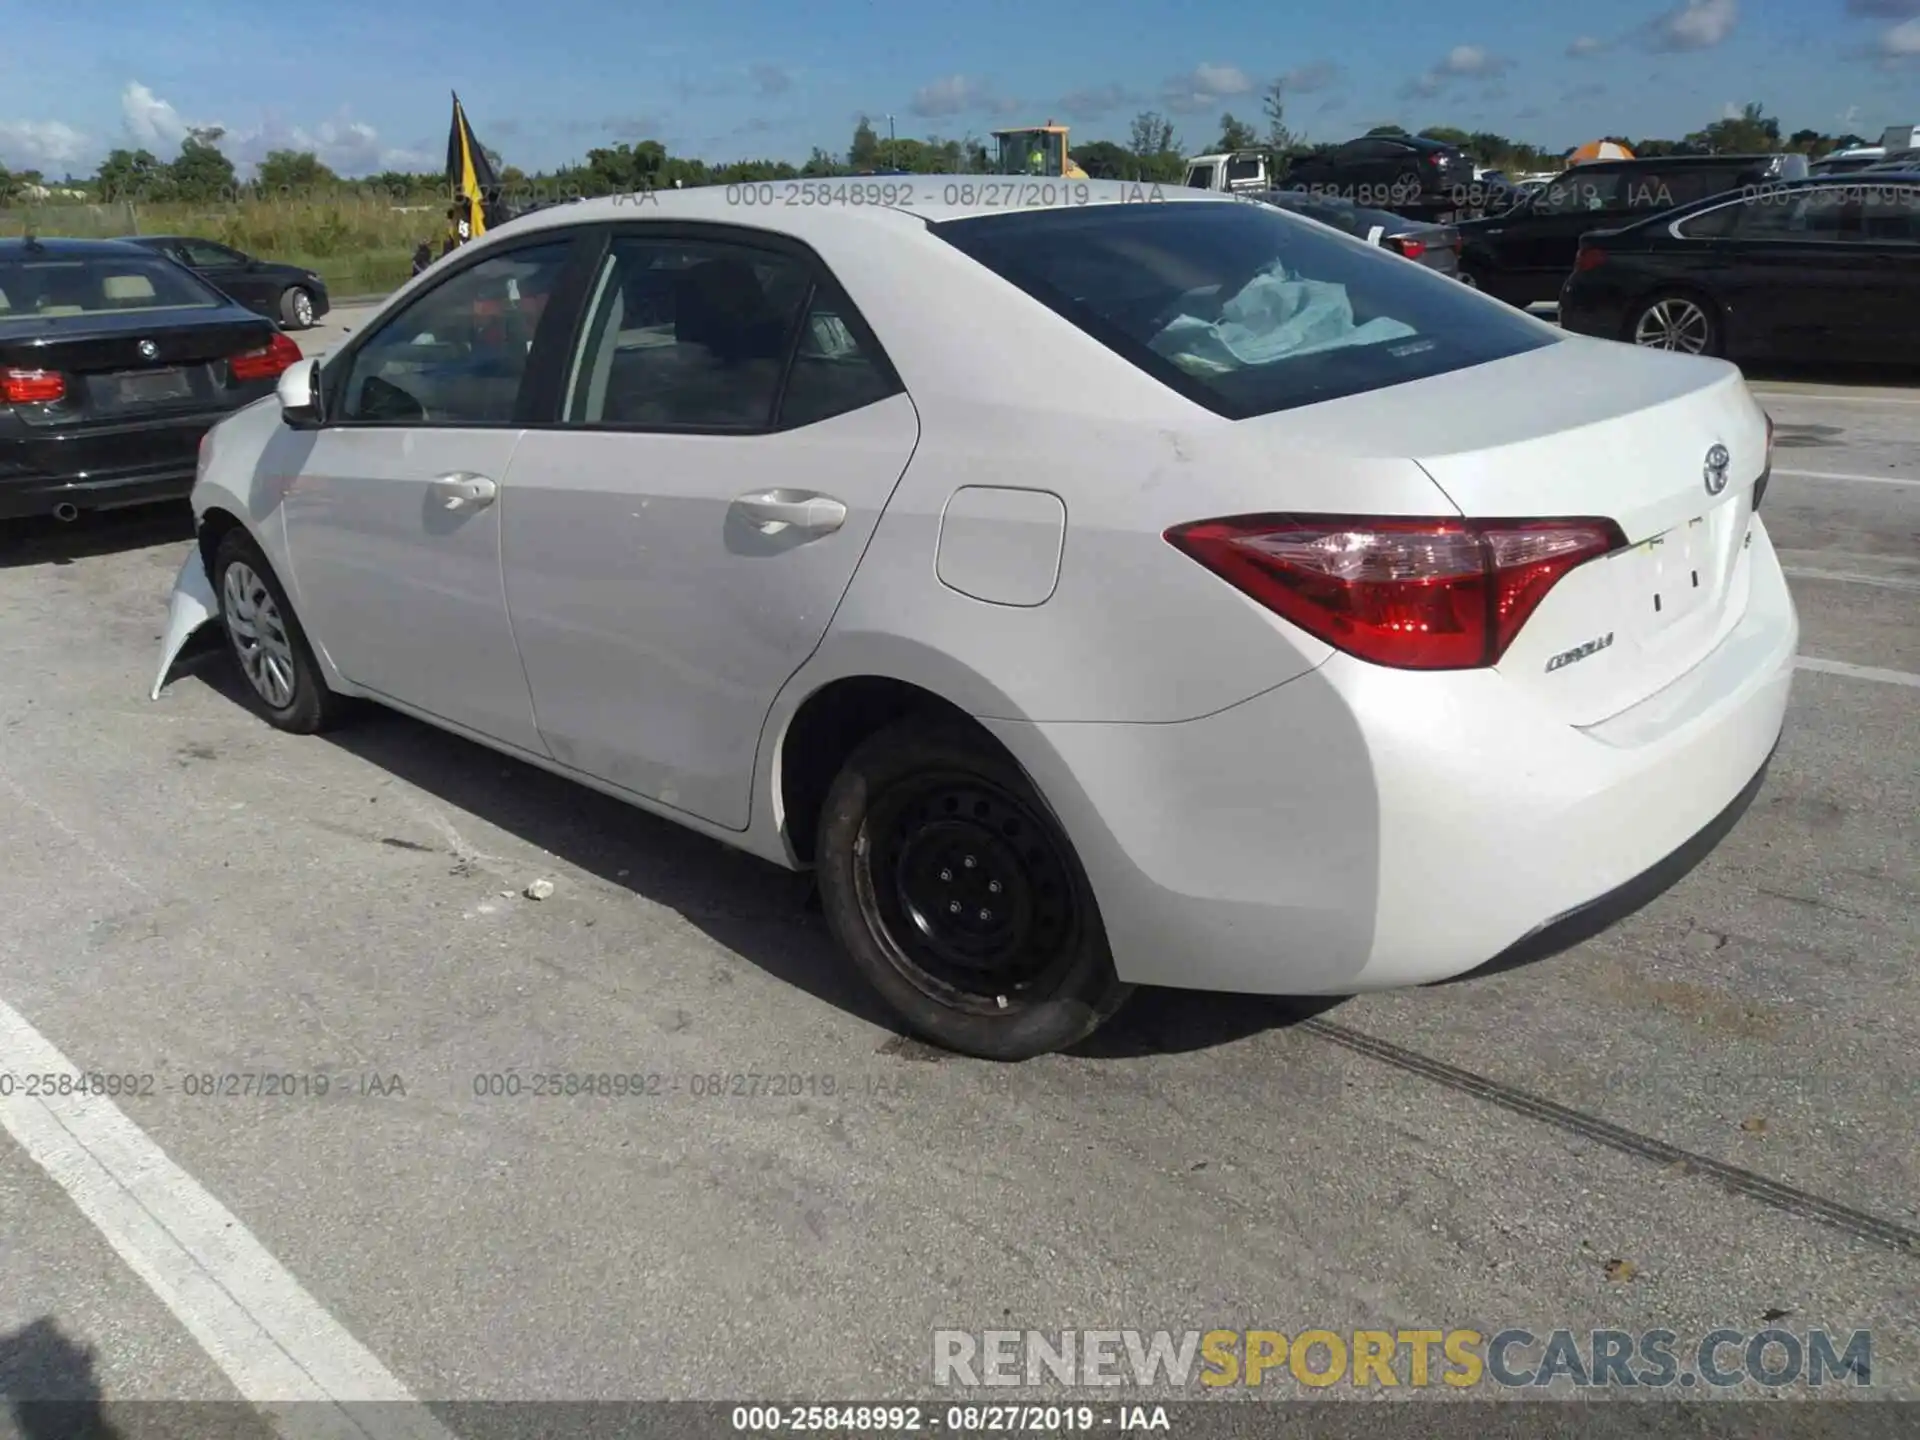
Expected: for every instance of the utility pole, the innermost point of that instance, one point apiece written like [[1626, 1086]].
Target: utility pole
[[893, 149]]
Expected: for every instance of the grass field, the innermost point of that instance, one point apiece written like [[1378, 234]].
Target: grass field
[[357, 245]]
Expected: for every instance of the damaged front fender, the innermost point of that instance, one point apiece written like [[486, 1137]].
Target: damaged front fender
[[192, 606]]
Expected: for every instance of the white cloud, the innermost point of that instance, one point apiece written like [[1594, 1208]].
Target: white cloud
[[956, 95], [1306, 79], [1585, 47], [343, 144], [1473, 61], [1902, 42], [43, 145], [1695, 25], [1205, 87]]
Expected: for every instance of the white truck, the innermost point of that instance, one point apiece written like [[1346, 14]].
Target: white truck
[[1232, 170]]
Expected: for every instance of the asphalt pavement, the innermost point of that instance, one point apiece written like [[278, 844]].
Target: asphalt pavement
[[1702, 1118]]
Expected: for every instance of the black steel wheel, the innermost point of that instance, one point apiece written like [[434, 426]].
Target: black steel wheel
[[955, 891]]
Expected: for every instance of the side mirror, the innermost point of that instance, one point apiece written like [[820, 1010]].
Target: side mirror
[[299, 392]]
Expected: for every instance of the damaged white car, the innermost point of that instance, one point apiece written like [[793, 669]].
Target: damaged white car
[[1093, 593]]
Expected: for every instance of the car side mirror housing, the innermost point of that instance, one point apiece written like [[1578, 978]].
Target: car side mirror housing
[[299, 392]]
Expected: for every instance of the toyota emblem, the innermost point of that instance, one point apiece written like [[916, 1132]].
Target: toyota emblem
[[149, 350], [1715, 470]]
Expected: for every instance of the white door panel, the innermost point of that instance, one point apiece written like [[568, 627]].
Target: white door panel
[[402, 586], [663, 587]]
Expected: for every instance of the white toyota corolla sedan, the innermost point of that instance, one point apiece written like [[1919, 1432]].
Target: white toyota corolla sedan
[[1094, 587]]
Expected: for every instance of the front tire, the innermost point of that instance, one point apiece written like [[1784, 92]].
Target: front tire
[[959, 898], [296, 308], [266, 641], [1682, 323]]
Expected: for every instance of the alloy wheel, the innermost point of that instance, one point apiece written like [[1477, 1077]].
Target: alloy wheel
[[1674, 324]]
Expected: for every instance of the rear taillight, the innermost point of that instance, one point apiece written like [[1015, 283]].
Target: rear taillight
[[32, 387], [1409, 247], [1589, 257], [1412, 594], [265, 363]]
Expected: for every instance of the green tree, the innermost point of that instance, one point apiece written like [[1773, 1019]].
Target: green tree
[[1446, 135], [286, 172], [1752, 131], [130, 175], [1104, 160], [820, 164], [201, 173], [864, 153], [1235, 134], [1273, 105], [1388, 130], [1150, 135]]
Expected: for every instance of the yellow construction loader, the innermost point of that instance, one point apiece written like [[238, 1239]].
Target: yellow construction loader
[[1035, 150]]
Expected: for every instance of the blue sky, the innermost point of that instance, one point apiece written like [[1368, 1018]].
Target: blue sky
[[366, 84]]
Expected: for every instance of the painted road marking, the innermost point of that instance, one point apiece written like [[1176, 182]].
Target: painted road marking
[[1852, 577], [282, 1351], [1849, 479], [1858, 672]]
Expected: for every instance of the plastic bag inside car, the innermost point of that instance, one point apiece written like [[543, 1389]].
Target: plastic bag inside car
[[1273, 317]]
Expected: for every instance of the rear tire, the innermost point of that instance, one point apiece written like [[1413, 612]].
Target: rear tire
[[296, 308], [1677, 321], [267, 644], [957, 895]]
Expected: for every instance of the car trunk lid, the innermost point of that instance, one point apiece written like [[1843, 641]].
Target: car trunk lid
[[108, 376], [1579, 429]]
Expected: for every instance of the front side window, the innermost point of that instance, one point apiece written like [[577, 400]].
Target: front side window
[[99, 285], [203, 253], [457, 354], [1242, 308]]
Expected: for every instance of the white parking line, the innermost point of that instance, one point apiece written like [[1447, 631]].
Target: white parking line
[[1852, 577], [281, 1350], [1848, 479], [1834, 396], [1857, 672]]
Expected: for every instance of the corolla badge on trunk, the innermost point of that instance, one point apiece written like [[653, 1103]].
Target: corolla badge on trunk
[[1579, 652], [149, 350], [1715, 470]]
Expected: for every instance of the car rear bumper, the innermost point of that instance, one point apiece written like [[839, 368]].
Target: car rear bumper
[[1583, 315], [1361, 828], [101, 468]]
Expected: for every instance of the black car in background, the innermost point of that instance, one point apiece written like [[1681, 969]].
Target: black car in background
[[1825, 270], [114, 362], [294, 297], [1435, 246], [1524, 255], [1396, 172]]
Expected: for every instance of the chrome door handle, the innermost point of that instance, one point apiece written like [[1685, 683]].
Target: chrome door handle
[[802, 509], [461, 491]]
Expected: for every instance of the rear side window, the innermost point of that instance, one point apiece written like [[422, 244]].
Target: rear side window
[[1244, 168], [98, 285], [1243, 308], [1682, 185], [1714, 224]]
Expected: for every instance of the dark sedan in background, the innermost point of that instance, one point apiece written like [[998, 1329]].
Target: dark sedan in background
[[294, 297], [114, 362], [1820, 270], [1408, 172], [1435, 246]]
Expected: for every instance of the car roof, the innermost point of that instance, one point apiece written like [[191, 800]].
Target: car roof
[[858, 201], [15, 246]]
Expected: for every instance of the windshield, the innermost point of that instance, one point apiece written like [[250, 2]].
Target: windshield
[[103, 284], [1241, 307], [1031, 152]]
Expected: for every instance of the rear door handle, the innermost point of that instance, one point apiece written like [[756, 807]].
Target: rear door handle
[[802, 509], [462, 491]]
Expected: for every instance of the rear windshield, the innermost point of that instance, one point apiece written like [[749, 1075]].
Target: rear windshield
[[96, 285], [1241, 307]]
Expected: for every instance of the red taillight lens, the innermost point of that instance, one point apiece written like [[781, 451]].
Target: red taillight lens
[[32, 387], [1589, 257], [263, 364], [1411, 248], [1411, 594]]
